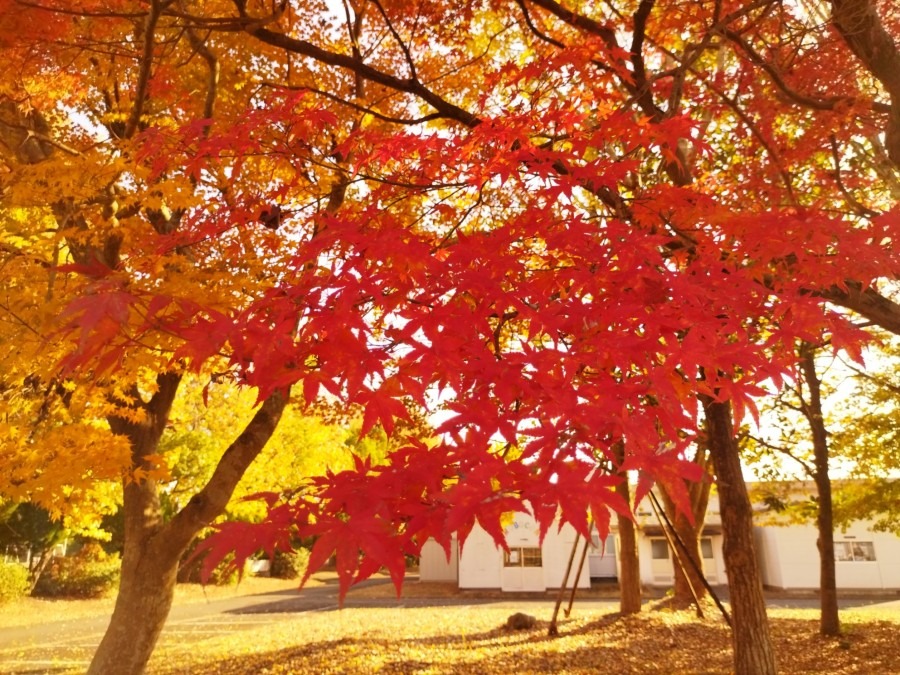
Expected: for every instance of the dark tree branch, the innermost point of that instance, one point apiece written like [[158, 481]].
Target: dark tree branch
[[212, 79], [862, 29], [637, 52], [366, 110], [146, 67], [866, 302], [445, 108], [534, 29], [859, 208], [403, 46], [805, 100], [211, 500]]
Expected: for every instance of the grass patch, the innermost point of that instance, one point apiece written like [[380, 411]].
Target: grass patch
[[30, 611]]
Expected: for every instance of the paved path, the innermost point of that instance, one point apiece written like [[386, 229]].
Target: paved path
[[67, 646], [63, 646]]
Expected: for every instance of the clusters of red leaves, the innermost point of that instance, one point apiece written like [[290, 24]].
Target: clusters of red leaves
[[465, 271], [549, 330]]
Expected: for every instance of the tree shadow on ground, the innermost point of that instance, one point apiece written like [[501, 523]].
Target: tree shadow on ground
[[651, 642]]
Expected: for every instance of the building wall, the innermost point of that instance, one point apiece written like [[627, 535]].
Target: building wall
[[434, 565], [767, 555], [790, 559], [557, 550], [656, 571], [787, 554], [480, 561], [603, 559], [481, 564]]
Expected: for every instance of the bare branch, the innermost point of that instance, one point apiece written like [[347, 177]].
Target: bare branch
[[403, 46], [212, 80], [807, 467], [146, 66], [446, 109], [534, 29], [815, 103]]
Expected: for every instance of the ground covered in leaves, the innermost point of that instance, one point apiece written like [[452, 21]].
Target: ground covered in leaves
[[473, 639]]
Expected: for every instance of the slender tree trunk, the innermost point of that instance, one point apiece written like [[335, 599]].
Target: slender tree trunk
[[752, 643], [829, 619], [36, 569], [686, 577], [690, 534], [629, 560], [153, 548], [629, 564]]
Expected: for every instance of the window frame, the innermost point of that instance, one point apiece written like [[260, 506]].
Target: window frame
[[523, 556], [851, 550], [655, 546]]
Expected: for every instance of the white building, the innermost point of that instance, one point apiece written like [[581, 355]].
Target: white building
[[532, 566], [864, 559], [527, 566], [788, 556]]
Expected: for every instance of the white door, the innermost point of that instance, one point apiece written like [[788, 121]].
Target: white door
[[602, 559], [661, 562]]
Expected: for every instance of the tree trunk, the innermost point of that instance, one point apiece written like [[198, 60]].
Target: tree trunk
[[145, 595], [629, 566], [753, 653], [629, 560], [829, 619], [36, 569], [153, 548]]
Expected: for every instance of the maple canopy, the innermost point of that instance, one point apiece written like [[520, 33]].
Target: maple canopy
[[555, 223]]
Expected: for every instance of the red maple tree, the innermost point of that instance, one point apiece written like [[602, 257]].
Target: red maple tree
[[569, 228]]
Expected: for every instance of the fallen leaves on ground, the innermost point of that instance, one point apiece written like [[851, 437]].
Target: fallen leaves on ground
[[472, 639]]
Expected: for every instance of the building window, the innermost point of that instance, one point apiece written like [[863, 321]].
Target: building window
[[706, 549], [605, 547], [531, 557], [854, 551], [659, 549], [523, 557]]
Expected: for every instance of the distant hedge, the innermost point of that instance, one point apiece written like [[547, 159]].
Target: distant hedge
[[90, 573], [291, 565], [13, 582]]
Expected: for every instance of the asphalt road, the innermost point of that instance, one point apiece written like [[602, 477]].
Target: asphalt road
[[56, 647]]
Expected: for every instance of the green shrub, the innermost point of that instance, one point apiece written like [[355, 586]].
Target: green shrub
[[90, 573], [291, 564], [190, 572], [224, 574], [13, 582]]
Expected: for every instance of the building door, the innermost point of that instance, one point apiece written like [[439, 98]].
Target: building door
[[710, 569], [523, 570], [602, 559], [661, 561]]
